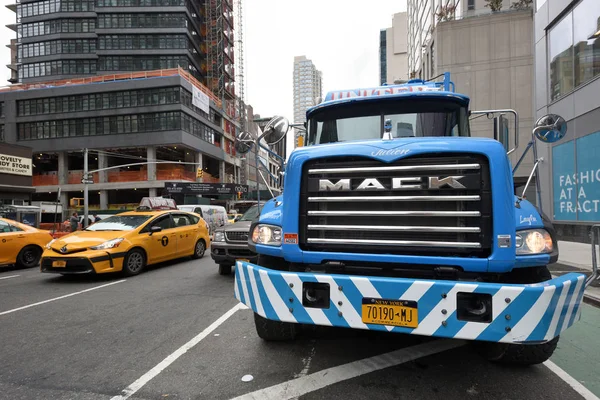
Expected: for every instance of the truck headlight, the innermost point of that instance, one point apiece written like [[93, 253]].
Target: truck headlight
[[267, 234], [219, 237], [111, 244], [533, 241], [49, 244]]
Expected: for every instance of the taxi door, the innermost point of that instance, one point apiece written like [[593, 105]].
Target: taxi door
[[186, 234], [161, 246], [9, 243]]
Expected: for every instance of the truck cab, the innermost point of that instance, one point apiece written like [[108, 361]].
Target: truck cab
[[394, 218]]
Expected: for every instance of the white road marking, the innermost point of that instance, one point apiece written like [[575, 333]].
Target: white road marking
[[8, 277], [574, 383], [148, 376], [318, 380], [59, 298]]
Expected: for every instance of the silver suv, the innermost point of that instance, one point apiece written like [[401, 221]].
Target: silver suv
[[230, 242]]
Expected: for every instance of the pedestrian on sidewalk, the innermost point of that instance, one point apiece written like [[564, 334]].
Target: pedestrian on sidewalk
[[74, 220]]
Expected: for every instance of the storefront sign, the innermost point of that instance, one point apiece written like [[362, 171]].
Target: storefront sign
[[200, 100], [576, 178], [204, 188], [15, 165]]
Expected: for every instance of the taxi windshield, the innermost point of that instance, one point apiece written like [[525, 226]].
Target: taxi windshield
[[119, 223], [413, 118]]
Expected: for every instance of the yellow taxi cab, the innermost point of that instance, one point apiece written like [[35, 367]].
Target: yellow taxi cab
[[157, 231], [21, 244], [233, 217]]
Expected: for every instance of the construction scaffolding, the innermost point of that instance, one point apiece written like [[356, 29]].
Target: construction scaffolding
[[220, 71]]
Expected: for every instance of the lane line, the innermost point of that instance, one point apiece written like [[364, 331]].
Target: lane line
[[148, 376], [59, 298], [574, 383], [318, 380], [8, 277]]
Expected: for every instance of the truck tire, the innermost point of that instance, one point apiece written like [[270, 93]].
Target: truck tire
[[267, 329], [274, 331], [520, 354]]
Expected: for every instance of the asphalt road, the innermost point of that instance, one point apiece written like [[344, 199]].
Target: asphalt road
[[177, 332]]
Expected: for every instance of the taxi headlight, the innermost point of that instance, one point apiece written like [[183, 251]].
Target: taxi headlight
[[219, 237], [111, 244], [267, 234], [533, 241], [49, 244]]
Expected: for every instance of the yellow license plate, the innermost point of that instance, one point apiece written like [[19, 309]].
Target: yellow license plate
[[390, 312], [59, 264]]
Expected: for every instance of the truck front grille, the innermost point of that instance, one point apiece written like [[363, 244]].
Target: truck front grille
[[237, 236], [433, 205]]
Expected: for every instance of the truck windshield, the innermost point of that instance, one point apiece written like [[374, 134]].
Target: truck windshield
[[407, 117]]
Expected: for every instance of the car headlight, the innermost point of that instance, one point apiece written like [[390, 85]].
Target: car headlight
[[533, 241], [219, 237], [267, 234], [111, 244], [49, 244]]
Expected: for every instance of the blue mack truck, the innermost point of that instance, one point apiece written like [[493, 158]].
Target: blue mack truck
[[393, 218]]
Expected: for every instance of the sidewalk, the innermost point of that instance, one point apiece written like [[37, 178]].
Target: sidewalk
[[577, 257]]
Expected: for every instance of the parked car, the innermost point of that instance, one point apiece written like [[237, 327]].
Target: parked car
[[230, 243]]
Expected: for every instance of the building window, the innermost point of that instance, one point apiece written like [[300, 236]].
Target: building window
[[471, 5], [56, 26], [60, 67], [2, 133], [129, 63], [574, 49]]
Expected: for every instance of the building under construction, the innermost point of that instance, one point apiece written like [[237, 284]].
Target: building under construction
[[145, 80]]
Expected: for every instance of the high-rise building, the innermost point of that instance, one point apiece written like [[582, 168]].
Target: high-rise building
[[393, 57], [307, 87], [424, 15], [567, 59], [145, 80]]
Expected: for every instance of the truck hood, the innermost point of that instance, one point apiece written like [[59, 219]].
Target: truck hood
[[82, 240], [238, 226]]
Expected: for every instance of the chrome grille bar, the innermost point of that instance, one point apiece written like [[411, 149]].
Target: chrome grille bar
[[394, 213], [375, 228], [392, 198], [395, 168], [407, 243]]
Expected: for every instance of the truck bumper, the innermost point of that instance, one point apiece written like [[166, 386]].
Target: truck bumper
[[533, 313]]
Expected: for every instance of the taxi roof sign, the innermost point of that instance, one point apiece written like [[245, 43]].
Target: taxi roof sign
[[157, 203]]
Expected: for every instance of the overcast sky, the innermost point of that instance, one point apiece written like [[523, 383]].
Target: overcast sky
[[340, 36]]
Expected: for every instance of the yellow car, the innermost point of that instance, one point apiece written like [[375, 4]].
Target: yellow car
[[233, 218], [128, 242], [21, 244]]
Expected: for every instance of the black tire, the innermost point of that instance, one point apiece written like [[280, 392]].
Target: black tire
[[199, 249], [29, 257], [224, 269], [520, 354], [516, 354], [134, 262], [274, 331], [276, 263]]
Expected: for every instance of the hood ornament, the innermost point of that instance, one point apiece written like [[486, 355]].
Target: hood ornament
[[387, 130], [63, 249]]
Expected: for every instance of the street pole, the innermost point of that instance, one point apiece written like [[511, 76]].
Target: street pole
[[85, 189]]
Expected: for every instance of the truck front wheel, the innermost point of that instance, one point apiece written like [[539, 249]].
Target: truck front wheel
[[267, 329], [272, 331], [520, 354]]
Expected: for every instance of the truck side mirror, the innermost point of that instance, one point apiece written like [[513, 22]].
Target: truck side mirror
[[550, 128], [501, 132], [243, 142]]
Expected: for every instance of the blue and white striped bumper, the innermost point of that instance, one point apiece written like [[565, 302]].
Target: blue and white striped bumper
[[520, 313]]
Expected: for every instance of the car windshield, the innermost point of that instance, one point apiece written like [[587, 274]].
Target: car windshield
[[414, 118], [250, 215], [119, 223]]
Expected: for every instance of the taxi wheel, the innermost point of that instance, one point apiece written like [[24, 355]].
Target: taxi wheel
[[29, 257], [134, 262], [199, 249]]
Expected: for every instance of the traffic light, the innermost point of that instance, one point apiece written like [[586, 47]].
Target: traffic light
[[199, 173], [239, 195]]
